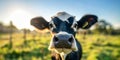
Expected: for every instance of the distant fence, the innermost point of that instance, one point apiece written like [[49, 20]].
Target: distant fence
[[32, 45]]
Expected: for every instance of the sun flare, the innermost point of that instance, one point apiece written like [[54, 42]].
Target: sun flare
[[21, 19]]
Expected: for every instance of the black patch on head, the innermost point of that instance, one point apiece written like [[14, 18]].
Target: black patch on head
[[71, 20], [63, 25], [56, 22]]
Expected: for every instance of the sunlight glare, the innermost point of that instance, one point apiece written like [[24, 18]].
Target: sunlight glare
[[21, 19]]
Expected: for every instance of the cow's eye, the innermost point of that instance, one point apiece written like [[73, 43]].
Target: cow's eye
[[75, 25], [50, 25]]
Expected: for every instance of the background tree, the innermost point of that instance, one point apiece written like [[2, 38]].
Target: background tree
[[11, 32], [103, 27], [1, 27]]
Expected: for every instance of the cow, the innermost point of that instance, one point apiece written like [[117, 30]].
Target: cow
[[63, 26]]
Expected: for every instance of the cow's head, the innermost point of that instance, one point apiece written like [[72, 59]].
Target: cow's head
[[64, 27]]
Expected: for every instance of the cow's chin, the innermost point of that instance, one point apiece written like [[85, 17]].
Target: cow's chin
[[63, 50]]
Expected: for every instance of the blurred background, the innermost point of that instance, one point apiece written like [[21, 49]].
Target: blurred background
[[21, 41]]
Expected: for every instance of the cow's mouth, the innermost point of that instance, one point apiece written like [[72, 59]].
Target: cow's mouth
[[63, 50]]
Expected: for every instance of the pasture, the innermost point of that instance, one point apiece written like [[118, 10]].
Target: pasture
[[95, 47]]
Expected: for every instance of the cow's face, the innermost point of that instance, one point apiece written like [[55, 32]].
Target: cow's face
[[63, 22], [63, 26]]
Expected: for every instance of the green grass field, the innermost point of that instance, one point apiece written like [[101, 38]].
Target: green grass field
[[95, 47]]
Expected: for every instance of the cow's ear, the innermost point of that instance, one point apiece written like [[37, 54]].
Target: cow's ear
[[87, 21], [39, 23]]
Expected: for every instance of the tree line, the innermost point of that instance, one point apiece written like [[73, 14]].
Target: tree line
[[102, 27]]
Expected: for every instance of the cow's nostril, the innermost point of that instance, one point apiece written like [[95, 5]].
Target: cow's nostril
[[55, 39], [70, 39]]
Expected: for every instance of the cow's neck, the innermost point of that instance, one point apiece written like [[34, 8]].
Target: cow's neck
[[63, 55]]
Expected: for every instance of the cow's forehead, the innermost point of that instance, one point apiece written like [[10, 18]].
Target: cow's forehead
[[63, 16]]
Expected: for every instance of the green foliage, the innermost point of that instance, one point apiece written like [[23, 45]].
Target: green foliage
[[95, 47]]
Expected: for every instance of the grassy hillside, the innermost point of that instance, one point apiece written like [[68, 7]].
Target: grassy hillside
[[95, 47]]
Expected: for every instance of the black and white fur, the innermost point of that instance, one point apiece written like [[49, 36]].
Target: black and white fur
[[65, 24]]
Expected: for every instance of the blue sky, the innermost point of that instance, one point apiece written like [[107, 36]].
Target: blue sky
[[104, 9]]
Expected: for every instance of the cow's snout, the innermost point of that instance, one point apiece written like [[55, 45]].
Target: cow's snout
[[63, 41]]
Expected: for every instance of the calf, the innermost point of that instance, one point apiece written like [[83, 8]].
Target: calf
[[63, 26]]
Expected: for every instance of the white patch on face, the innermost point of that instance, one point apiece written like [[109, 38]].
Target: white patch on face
[[74, 45], [63, 16], [51, 46], [62, 32]]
